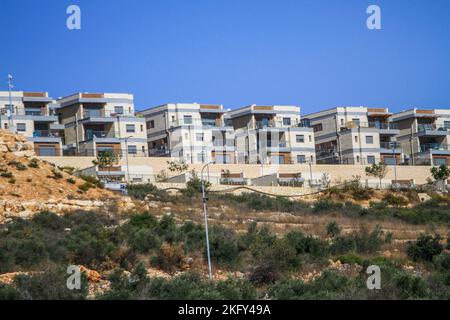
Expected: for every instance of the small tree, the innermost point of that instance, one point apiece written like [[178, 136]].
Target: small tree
[[106, 159], [179, 166], [440, 174], [377, 170]]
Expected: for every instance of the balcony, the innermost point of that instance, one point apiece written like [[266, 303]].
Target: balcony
[[433, 147], [430, 129], [93, 134], [159, 152], [46, 136], [383, 125], [101, 113]]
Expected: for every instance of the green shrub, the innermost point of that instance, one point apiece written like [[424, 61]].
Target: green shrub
[[361, 241], [85, 186], [442, 261], [19, 166], [351, 258], [223, 246], [8, 292], [326, 205], [424, 248], [93, 181], [34, 163], [141, 191], [264, 273], [333, 229], [12, 180], [49, 285], [71, 180], [6, 174], [396, 201], [307, 245], [56, 174]]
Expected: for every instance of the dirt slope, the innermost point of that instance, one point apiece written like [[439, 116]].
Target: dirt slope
[[28, 185]]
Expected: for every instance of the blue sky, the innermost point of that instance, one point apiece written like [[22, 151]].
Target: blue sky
[[315, 54]]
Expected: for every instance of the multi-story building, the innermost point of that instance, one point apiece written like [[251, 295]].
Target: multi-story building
[[272, 134], [424, 135], [96, 122], [197, 133], [31, 114], [355, 135]]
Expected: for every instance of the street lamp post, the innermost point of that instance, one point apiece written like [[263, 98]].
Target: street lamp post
[[126, 158], [11, 108], [394, 146], [205, 199]]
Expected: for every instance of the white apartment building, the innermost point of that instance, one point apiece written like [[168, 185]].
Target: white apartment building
[[355, 135], [424, 135], [32, 115], [272, 135], [96, 122], [197, 133]]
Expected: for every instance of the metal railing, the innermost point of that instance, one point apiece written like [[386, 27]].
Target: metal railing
[[432, 146], [84, 152], [47, 133], [371, 124], [101, 113], [155, 152], [90, 135]]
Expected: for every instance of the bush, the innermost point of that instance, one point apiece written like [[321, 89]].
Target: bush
[[56, 174], [6, 174], [396, 201], [34, 163], [71, 180], [92, 181], [85, 186], [351, 258], [8, 292], [307, 245], [49, 285], [19, 166], [333, 229], [264, 273], [141, 191], [325, 204], [170, 258], [223, 245], [424, 248], [361, 241]]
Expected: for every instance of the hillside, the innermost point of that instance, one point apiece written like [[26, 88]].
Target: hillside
[[29, 185]]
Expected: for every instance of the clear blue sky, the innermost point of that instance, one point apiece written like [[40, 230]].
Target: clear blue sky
[[315, 54]]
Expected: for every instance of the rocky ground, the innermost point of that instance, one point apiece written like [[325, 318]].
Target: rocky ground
[[29, 185]]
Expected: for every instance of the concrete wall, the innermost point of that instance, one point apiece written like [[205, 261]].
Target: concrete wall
[[338, 173]]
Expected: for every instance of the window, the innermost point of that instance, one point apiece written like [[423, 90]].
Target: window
[[286, 121], [200, 157], [342, 122], [187, 119], [132, 150], [173, 118], [151, 124], [317, 127], [389, 160], [130, 128], [369, 139], [310, 138], [356, 122], [439, 161], [300, 138], [278, 159], [357, 159], [370, 159], [301, 158], [118, 110], [199, 136], [142, 127], [447, 124], [356, 139], [21, 127], [47, 151]]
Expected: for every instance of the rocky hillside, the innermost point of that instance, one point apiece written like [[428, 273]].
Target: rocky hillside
[[29, 185]]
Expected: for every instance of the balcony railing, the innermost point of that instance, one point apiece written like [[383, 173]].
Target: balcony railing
[[371, 124], [99, 134], [433, 146], [47, 133], [422, 127], [159, 152], [100, 113], [25, 112]]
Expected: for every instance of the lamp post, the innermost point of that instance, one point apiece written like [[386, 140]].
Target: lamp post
[[394, 146], [126, 158], [205, 199], [10, 87]]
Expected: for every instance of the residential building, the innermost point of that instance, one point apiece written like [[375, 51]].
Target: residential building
[[32, 115], [96, 122], [424, 135], [271, 135], [197, 133], [355, 135]]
